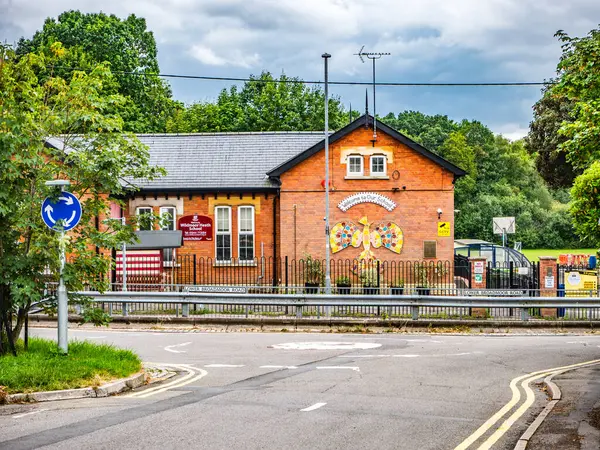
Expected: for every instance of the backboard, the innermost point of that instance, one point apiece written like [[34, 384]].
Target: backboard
[[504, 224]]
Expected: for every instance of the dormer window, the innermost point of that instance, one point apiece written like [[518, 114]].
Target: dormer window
[[378, 164], [355, 166]]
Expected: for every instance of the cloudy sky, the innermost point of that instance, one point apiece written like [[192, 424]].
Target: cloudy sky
[[429, 41]]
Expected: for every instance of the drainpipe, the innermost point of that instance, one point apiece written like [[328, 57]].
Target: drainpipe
[[275, 238]]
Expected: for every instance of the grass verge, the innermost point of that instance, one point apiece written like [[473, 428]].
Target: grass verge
[[42, 368]]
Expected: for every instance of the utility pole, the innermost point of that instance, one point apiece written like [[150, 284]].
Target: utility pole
[[373, 56], [325, 57]]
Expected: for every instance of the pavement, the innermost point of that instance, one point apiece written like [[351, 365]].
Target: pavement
[[320, 391], [574, 423]]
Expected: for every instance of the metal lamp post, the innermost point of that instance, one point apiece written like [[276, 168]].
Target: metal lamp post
[[325, 57], [63, 318]]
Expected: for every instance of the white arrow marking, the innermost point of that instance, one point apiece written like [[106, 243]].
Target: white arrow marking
[[67, 200], [169, 348], [18, 416], [224, 365], [48, 210], [279, 367], [356, 369], [68, 222], [313, 407]]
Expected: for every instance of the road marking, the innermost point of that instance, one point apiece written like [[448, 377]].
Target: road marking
[[313, 407], [190, 377], [406, 356], [516, 397], [224, 365], [95, 337], [278, 367], [18, 416], [365, 356], [357, 369], [423, 340], [326, 346], [170, 348]]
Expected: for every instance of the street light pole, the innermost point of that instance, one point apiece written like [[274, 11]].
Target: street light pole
[[325, 57]]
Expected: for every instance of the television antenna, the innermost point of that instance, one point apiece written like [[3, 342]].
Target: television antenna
[[373, 56]]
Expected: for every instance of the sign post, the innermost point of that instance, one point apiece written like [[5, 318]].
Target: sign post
[[62, 216]]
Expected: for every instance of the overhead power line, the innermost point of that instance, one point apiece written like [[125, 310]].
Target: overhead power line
[[341, 83]]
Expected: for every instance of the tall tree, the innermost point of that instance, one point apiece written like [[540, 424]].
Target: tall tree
[[96, 160], [124, 44], [262, 104], [544, 139], [579, 83]]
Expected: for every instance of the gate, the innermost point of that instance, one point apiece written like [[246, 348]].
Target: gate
[[508, 276], [462, 272]]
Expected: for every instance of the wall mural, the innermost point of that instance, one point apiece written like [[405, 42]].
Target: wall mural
[[385, 234]]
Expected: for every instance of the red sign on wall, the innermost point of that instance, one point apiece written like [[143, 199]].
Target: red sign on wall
[[196, 228]]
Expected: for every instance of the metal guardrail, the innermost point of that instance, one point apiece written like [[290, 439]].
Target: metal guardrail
[[358, 306]]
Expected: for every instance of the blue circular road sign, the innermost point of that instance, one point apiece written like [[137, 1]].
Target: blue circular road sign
[[63, 215]]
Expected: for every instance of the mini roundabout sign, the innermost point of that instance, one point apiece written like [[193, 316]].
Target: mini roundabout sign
[[326, 346]]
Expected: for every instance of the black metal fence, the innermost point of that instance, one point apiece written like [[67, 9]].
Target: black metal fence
[[284, 272]]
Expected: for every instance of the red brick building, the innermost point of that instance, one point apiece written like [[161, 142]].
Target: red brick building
[[239, 196]]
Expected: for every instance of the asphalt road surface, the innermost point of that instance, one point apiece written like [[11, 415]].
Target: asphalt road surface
[[309, 391]]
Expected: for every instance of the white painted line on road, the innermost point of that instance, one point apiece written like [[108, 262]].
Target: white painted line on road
[[18, 416], [313, 407], [96, 337], [326, 345], [365, 356], [224, 365], [406, 356], [357, 369], [278, 367], [423, 340], [170, 348], [516, 397]]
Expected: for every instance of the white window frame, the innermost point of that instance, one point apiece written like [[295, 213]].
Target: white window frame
[[372, 160], [173, 211], [138, 213], [362, 166], [223, 233], [246, 233], [170, 262]]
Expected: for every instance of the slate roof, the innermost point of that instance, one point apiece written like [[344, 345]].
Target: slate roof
[[225, 161], [360, 122], [242, 162]]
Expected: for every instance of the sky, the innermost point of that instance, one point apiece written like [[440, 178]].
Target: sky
[[429, 41]]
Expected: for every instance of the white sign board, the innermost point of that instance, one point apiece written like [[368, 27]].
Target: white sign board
[[218, 289], [549, 282], [367, 197], [478, 267], [504, 225], [574, 278]]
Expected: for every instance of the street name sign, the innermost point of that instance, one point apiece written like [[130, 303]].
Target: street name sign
[[66, 212]]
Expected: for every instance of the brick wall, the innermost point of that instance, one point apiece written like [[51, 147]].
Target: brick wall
[[421, 188]]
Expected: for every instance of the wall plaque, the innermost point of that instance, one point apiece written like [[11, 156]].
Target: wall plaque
[[196, 228], [367, 197]]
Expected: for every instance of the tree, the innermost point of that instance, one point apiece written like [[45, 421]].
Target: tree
[[263, 104], [544, 139], [585, 204], [579, 83], [129, 49], [96, 161]]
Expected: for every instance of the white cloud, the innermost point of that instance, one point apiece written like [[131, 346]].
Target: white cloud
[[430, 40], [207, 56]]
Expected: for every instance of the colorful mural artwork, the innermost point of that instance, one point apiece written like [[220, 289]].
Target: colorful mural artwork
[[386, 234]]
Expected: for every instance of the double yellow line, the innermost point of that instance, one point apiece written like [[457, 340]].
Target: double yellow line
[[192, 375], [516, 397]]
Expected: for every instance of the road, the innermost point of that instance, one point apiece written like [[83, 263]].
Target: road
[[307, 391]]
